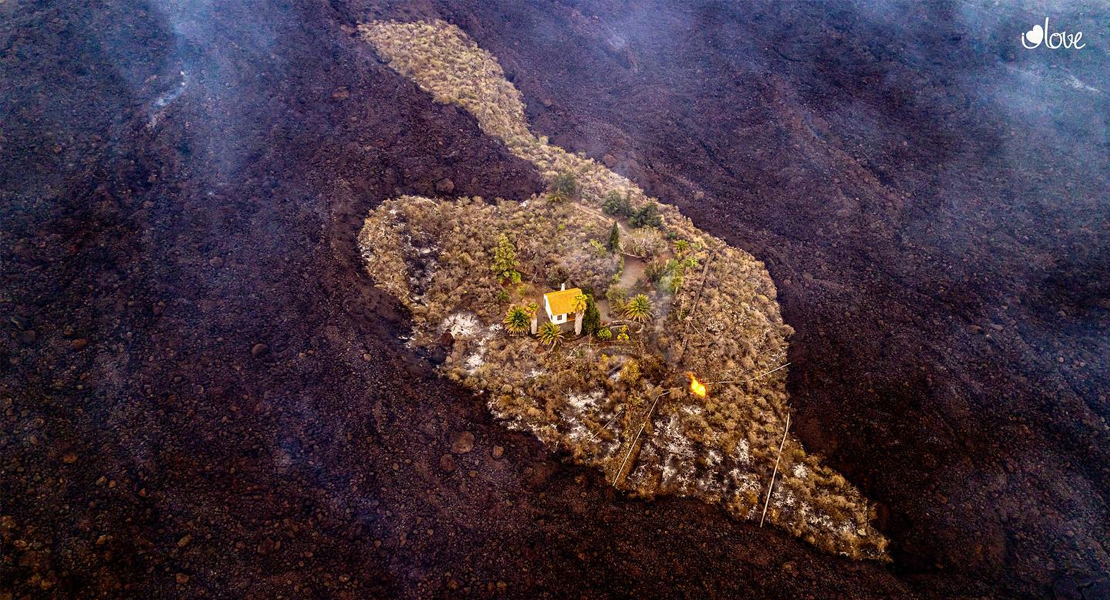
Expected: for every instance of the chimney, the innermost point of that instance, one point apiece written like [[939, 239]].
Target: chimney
[[563, 287]]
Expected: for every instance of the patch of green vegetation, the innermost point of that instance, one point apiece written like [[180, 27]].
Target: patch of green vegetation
[[617, 204], [504, 261], [564, 187], [638, 309], [517, 320], [598, 248], [647, 216], [550, 334], [616, 296], [591, 320]]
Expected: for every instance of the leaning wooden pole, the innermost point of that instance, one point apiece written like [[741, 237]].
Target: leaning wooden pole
[[606, 426], [760, 376], [770, 487], [631, 448]]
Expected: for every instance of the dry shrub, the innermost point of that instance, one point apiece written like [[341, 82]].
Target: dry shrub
[[644, 243]]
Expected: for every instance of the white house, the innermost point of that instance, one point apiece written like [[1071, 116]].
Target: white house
[[560, 305]]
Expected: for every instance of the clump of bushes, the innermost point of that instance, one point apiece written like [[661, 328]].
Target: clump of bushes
[[557, 275], [504, 261], [463, 259], [647, 216], [630, 372], [672, 272], [644, 243], [655, 270], [616, 296], [617, 204], [564, 187], [598, 248]]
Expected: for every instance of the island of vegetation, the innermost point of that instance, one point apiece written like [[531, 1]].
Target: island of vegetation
[[601, 320]]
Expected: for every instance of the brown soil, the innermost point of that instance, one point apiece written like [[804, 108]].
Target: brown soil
[[203, 395]]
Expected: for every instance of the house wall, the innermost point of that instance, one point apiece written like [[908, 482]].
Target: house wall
[[557, 319]]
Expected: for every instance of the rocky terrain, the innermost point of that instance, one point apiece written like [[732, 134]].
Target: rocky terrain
[[204, 395]]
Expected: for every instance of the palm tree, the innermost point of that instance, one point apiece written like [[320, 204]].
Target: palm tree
[[638, 309], [579, 303], [517, 320], [551, 334]]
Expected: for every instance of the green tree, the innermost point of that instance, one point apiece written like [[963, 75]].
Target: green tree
[[517, 320], [504, 261], [648, 216], [617, 205], [591, 321], [638, 308], [604, 334], [615, 238], [564, 187], [550, 334]]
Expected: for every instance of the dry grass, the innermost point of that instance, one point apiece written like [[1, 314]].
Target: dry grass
[[585, 395]]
